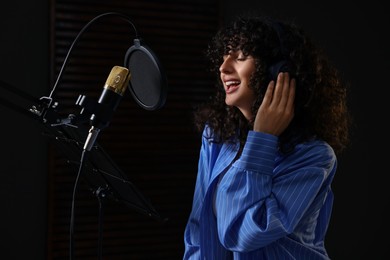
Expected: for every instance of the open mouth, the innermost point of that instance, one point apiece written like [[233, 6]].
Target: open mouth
[[231, 86]]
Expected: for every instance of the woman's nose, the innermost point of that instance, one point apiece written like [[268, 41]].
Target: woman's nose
[[225, 66]]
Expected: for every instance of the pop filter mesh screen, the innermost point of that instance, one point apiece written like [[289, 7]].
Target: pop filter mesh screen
[[145, 80]]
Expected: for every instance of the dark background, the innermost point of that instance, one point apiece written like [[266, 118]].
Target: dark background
[[354, 35]]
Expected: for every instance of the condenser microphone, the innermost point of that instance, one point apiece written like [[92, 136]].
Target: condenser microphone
[[114, 88]]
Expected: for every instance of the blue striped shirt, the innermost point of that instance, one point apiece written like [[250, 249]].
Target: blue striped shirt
[[264, 205]]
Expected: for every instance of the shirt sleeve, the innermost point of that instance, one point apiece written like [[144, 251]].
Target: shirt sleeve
[[263, 196], [191, 233]]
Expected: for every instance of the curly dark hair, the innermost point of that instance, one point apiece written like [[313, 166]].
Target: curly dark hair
[[321, 96]]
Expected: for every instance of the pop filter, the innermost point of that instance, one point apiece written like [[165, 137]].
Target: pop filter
[[148, 84]]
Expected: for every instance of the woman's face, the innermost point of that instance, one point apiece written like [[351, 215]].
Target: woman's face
[[235, 72]]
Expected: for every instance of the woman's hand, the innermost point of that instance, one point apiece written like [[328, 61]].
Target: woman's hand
[[277, 109]]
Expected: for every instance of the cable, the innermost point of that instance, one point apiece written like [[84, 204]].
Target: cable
[[71, 238]]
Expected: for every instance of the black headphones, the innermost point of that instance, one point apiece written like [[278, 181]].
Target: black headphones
[[283, 65]]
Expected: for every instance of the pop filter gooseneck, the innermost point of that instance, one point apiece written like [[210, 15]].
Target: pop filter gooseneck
[[148, 81]]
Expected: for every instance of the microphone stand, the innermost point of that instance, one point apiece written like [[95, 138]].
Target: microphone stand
[[104, 177]]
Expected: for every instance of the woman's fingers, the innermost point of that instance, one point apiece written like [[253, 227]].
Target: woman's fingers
[[281, 91], [268, 96], [291, 95], [277, 109]]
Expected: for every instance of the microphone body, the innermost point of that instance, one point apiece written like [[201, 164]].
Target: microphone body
[[112, 93]]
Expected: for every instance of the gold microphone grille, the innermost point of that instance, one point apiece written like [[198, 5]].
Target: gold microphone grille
[[118, 80]]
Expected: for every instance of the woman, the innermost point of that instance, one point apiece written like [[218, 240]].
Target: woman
[[270, 139]]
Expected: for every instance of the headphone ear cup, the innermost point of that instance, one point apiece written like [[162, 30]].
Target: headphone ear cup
[[276, 68]]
